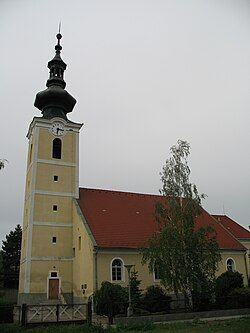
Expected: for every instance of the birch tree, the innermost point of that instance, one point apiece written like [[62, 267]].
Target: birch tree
[[186, 256]]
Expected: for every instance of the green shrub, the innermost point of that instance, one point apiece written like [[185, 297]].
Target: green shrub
[[155, 300], [110, 300], [240, 297], [227, 282], [6, 312]]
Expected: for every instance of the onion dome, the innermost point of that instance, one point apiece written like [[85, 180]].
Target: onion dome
[[55, 101]]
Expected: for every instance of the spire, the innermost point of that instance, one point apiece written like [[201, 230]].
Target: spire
[[55, 101], [57, 66]]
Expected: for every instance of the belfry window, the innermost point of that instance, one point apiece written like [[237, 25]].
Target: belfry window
[[116, 270], [57, 148]]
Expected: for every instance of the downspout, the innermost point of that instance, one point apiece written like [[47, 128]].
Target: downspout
[[95, 269], [245, 257]]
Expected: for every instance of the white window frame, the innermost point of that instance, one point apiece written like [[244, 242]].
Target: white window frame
[[155, 279], [122, 272], [234, 265]]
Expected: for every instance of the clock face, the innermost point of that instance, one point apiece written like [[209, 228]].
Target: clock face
[[58, 129]]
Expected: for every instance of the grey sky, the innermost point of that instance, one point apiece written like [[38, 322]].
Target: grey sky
[[145, 73]]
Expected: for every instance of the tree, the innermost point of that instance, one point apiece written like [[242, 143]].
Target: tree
[[2, 163], [135, 289], [110, 300], [184, 255], [11, 252]]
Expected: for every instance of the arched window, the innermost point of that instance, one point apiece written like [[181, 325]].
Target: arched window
[[157, 272], [230, 265], [57, 148], [117, 270]]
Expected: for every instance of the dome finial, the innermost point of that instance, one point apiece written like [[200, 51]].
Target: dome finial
[[58, 47]]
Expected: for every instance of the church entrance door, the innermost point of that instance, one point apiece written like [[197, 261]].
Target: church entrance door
[[53, 288]]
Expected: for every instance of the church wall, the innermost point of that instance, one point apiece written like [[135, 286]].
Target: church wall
[[43, 208], [104, 268], [40, 272], [45, 178], [83, 262], [240, 263], [44, 235], [246, 243], [147, 279]]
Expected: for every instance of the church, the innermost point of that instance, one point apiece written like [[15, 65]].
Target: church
[[75, 238]]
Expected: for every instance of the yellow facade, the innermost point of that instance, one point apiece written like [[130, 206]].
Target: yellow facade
[[51, 184]]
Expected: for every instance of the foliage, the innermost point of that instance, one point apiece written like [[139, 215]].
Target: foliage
[[135, 289], [110, 300], [6, 312], [203, 297], [155, 300], [183, 253], [227, 282], [240, 297], [2, 163], [11, 252]]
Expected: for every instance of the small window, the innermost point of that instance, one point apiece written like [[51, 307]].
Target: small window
[[31, 148], [55, 178], [117, 269], [230, 265], [53, 240], [54, 208], [57, 148], [79, 243], [53, 274]]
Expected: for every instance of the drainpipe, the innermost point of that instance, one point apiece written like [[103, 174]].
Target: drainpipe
[[246, 257], [95, 269]]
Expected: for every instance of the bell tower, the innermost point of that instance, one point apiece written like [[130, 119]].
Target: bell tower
[[51, 184]]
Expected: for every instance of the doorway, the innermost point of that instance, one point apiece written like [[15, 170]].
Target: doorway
[[53, 288]]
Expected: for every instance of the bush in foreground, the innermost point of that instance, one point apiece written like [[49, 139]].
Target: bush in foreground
[[155, 300]]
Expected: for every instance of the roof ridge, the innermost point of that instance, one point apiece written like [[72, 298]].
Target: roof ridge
[[119, 191]]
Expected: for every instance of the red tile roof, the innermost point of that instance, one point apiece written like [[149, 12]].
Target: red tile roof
[[237, 230], [126, 220]]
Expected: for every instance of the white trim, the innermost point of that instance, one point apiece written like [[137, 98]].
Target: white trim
[[35, 142], [51, 258], [76, 195], [56, 162], [46, 123], [54, 278], [59, 194], [234, 264], [155, 280], [53, 224], [122, 272]]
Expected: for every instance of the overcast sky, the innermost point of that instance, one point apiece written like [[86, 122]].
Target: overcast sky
[[145, 73]]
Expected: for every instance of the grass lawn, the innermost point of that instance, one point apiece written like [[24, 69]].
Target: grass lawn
[[241, 325]]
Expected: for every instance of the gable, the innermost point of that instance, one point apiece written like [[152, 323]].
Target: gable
[[237, 230]]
